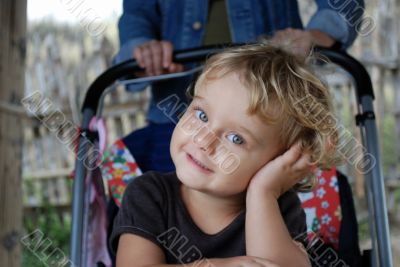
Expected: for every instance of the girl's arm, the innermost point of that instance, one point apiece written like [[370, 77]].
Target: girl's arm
[[266, 233], [136, 251]]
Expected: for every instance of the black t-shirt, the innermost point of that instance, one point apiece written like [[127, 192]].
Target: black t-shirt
[[152, 208]]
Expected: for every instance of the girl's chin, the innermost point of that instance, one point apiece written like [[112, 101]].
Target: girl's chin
[[191, 176]]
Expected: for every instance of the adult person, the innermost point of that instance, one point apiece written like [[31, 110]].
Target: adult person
[[151, 30]]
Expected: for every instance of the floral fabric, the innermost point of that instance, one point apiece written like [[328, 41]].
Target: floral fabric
[[118, 168], [322, 208]]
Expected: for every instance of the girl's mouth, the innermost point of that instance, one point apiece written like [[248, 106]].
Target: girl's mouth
[[198, 164]]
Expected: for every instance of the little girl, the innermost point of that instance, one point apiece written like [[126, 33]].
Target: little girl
[[245, 141]]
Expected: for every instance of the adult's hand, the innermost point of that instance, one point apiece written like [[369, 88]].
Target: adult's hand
[[155, 57], [300, 41]]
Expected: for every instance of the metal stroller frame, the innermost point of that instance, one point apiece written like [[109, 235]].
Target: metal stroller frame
[[381, 248]]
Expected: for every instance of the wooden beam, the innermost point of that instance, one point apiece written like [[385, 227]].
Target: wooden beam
[[12, 72], [47, 174]]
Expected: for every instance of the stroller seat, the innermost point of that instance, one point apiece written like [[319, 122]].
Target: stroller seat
[[329, 208], [118, 165]]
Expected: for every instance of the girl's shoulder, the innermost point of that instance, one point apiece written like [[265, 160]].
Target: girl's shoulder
[[154, 185], [154, 178]]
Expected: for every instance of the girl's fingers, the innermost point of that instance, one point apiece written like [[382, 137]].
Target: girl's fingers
[[303, 163], [292, 155]]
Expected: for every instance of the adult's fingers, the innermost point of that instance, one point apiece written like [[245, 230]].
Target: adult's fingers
[[175, 67], [278, 37], [157, 57], [167, 50], [137, 54], [147, 59]]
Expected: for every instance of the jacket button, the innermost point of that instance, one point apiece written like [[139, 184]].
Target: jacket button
[[197, 25]]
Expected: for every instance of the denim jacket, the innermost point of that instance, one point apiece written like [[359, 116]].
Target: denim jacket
[[182, 23]]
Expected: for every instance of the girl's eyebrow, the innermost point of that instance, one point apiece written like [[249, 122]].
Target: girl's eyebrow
[[200, 98]]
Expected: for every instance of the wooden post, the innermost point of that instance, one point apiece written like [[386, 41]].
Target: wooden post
[[12, 60]]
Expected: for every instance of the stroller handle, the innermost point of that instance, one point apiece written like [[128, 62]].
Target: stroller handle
[[127, 68]]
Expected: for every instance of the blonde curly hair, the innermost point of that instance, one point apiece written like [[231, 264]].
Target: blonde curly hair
[[283, 90]]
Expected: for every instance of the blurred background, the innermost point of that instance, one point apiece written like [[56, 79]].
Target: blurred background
[[66, 50]]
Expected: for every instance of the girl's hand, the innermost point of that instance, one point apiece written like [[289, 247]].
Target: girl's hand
[[282, 173], [242, 261]]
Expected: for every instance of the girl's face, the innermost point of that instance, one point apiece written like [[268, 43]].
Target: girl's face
[[217, 147]]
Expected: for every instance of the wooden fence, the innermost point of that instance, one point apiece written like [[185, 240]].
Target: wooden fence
[[48, 163]]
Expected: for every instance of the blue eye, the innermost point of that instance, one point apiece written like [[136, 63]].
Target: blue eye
[[236, 139], [201, 115]]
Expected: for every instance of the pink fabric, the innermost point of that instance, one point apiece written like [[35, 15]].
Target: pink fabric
[[95, 237], [98, 124]]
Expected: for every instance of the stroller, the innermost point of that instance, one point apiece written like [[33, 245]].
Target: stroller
[[85, 170]]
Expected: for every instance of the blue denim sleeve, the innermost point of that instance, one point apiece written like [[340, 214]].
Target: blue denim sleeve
[[140, 19], [137, 25], [339, 19]]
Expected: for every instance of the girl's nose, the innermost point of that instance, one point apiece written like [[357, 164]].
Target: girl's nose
[[205, 139]]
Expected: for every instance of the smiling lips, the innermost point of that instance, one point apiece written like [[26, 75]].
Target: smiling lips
[[198, 163]]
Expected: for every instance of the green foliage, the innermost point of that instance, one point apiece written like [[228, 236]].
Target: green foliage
[[363, 231], [388, 144], [53, 227]]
